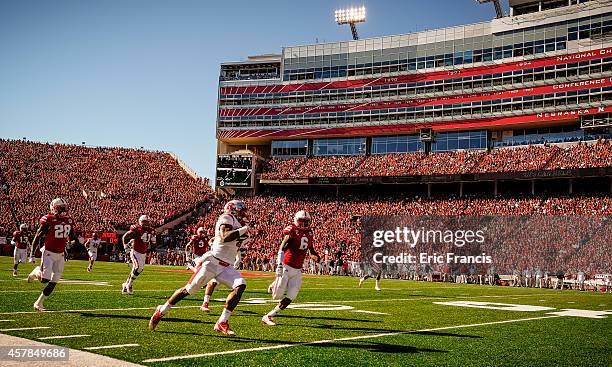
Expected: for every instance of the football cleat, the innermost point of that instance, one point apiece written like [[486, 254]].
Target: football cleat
[[155, 319], [126, 289], [268, 320], [39, 308], [89, 269], [14, 273], [204, 307], [377, 288], [33, 274], [223, 327], [361, 280]]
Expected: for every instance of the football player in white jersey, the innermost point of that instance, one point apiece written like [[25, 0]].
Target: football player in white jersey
[[217, 263], [92, 244]]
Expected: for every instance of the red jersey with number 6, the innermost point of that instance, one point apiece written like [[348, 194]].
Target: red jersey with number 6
[[143, 236], [59, 229], [300, 241], [200, 244]]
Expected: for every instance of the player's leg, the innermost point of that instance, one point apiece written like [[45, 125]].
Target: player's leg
[[231, 278], [377, 286], [294, 283], [51, 274], [204, 273], [16, 255], [138, 261], [210, 288], [92, 258]]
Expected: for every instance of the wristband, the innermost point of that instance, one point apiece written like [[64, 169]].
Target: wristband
[[243, 230]]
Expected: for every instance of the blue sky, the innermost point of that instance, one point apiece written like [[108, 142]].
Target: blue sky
[[145, 73]]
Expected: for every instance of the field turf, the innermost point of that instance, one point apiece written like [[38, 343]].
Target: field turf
[[401, 324]]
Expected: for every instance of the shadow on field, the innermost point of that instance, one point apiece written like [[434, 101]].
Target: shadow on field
[[382, 348], [375, 347], [136, 317]]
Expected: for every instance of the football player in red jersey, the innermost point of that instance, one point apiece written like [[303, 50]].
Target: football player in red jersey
[[196, 247], [22, 244], [55, 230], [297, 243], [136, 241]]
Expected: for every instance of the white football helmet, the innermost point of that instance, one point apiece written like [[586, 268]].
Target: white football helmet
[[237, 208], [144, 220], [23, 227], [302, 219], [58, 206], [201, 231]]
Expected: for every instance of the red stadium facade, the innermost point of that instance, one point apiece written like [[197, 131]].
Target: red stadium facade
[[541, 75]]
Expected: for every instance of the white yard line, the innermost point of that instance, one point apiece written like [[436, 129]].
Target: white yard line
[[327, 341], [370, 312], [91, 310], [7, 320], [266, 304], [64, 337], [112, 346], [27, 328]]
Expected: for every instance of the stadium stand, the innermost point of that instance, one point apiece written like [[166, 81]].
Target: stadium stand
[[526, 158], [107, 188]]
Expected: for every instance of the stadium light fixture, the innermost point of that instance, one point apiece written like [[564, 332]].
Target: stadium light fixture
[[499, 11], [351, 16]]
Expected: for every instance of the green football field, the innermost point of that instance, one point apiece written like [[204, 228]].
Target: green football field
[[334, 322]]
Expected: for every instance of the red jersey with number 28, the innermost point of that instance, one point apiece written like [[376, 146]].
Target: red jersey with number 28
[[300, 240], [143, 236], [59, 228]]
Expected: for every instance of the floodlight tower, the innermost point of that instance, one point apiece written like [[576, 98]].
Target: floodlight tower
[[351, 16], [499, 11]]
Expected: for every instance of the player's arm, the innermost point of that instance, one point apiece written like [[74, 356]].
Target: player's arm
[[281, 254], [127, 237], [87, 243], [39, 237], [189, 247], [228, 234], [313, 254]]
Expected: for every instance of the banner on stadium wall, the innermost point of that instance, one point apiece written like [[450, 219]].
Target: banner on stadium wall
[[470, 177], [412, 128], [421, 77], [485, 244], [463, 98]]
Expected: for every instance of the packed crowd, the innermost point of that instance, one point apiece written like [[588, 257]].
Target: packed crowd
[[106, 188], [576, 155], [338, 236]]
